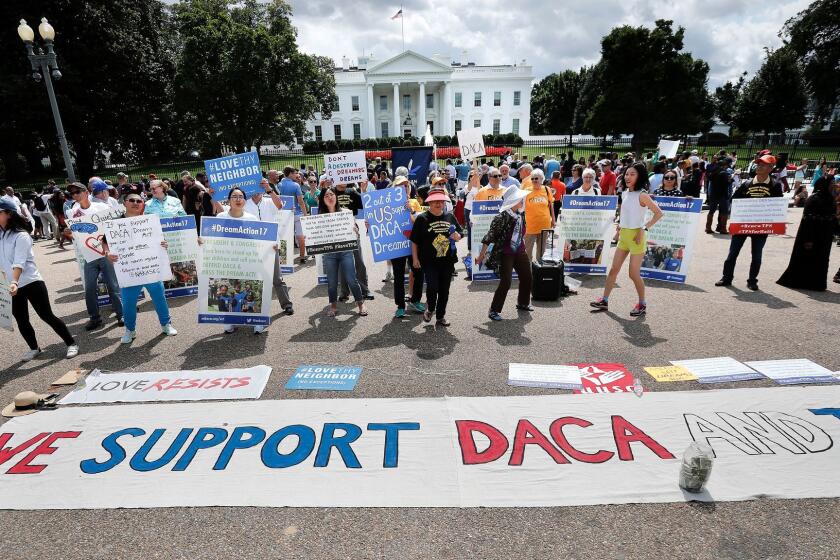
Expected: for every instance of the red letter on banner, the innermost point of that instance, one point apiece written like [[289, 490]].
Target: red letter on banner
[[7, 453], [624, 433], [556, 431], [527, 434], [469, 453], [44, 448]]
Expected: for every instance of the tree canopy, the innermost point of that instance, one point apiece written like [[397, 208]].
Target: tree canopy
[[554, 101], [726, 100]]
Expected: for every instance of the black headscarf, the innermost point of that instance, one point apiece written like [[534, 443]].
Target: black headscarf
[[821, 202]]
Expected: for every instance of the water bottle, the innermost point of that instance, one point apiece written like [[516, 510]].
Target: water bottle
[[638, 388], [696, 467]]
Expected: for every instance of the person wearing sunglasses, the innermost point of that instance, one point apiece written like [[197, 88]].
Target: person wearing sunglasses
[[494, 189], [310, 197], [135, 206], [669, 186]]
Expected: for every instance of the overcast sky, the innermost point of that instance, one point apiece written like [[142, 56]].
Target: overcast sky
[[552, 35]]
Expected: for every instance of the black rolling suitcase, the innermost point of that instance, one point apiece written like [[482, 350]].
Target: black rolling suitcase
[[548, 280]]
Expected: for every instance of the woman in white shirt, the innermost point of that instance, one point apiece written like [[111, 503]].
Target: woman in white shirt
[[588, 187]]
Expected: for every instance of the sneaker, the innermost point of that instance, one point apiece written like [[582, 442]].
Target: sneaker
[[369, 296], [92, 324], [600, 304], [72, 351], [258, 330], [229, 328], [418, 307], [752, 285], [30, 355], [120, 322], [494, 316], [723, 282], [169, 330], [128, 337], [442, 322], [400, 313], [528, 307], [638, 309], [389, 276], [289, 310]]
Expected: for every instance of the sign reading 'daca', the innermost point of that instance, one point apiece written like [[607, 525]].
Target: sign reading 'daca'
[[349, 167], [471, 143], [237, 171]]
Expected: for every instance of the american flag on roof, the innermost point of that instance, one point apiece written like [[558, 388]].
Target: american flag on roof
[[398, 14]]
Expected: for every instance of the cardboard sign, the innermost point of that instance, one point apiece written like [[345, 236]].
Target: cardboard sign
[[88, 232], [544, 375], [471, 143], [670, 243], [668, 148], [330, 232], [211, 384], [349, 167], [585, 229], [758, 215], [670, 373], [605, 378], [241, 171], [389, 222], [6, 318], [137, 244], [324, 378], [182, 248]]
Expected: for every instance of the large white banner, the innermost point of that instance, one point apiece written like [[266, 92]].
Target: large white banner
[[88, 231], [585, 229], [670, 242], [202, 385], [182, 248], [141, 259], [533, 451]]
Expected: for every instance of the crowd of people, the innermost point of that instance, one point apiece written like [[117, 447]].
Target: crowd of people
[[531, 194]]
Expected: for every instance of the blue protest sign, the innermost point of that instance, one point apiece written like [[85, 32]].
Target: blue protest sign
[[237, 171], [389, 222], [414, 158], [325, 378]]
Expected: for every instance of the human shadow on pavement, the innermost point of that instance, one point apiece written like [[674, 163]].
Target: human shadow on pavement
[[760, 297], [636, 331], [323, 328], [50, 357], [673, 286], [508, 332], [319, 291], [219, 349], [433, 344], [75, 288], [825, 297]]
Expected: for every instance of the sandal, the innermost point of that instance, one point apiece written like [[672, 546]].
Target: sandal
[[362, 311], [331, 312]]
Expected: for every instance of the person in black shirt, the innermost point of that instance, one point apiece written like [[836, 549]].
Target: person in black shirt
[[433, 240], [349, 199]]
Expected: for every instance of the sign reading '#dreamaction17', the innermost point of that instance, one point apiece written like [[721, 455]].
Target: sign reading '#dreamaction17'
[[236, 171], [758, 215], [481, 217], [349, 167], [141, 259], [237, 269], [182, 247], [286, 235], [585, 231], [331, 232], [535, 451], [670, 243], [390, 223]]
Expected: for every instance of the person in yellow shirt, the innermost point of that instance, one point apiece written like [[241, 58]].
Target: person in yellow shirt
[[539, 210], [494, 190]]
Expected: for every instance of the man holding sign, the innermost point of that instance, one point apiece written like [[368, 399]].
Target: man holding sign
[[761, 186], [471, 143]]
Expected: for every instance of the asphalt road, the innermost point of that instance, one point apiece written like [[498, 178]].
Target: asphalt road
[[411, 359]]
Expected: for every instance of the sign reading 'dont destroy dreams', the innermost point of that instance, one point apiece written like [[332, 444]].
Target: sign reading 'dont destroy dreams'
[[349, 167]]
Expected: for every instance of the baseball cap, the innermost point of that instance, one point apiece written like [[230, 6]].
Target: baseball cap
[[767, 158], [98, 186], [8, 206]]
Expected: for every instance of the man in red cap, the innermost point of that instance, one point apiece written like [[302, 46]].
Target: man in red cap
[[760, 186]]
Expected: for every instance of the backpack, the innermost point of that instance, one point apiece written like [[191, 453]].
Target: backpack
[[39, 204]]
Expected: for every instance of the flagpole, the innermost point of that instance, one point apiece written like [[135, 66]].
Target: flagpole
[[402, 25]]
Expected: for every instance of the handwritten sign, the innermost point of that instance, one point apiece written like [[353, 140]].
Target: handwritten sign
[[390, 223], [237, 171], [671, 373], [471, 143], [330, 232], [758, 215], [668, 148], [137, 243], [349, 167], [5, 303], [88, 232]]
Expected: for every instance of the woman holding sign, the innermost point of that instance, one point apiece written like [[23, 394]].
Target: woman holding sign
[[399, 264], [17, 261], [135, 206], [341, 261], [632, 235]]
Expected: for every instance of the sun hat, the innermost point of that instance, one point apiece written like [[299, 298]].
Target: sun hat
[[438, 180], [437, 195], [401, 180], [28, 402], [511, 197]]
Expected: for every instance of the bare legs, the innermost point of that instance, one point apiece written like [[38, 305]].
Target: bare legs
[[634, 272]]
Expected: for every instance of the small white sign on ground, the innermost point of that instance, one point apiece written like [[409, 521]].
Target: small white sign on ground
[[544, 375], [786, 372], [718, 370]]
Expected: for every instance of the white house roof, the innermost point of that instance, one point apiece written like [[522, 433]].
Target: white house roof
[[408, 62]]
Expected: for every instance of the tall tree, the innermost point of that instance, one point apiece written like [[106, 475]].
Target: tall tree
[[646, 86], [774, 99], [553, 102], [240, 78], [814, 36], [726, 100]]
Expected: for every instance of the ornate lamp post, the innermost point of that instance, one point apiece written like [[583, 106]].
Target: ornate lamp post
[[44, 65]]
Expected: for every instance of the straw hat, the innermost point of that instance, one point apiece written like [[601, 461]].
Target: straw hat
[[401, 180], [511, 197], [28, 402]]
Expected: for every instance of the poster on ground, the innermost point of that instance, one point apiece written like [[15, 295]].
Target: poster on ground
[[670, 242], [182, 248], [237, 269], [758, 215], [718, 370], [544, 376], [534, 451], [324, 378], [236, 171], [329, 233], [786, 372], [286, 235], [6, 318], [471, 143], [154, 386], [136, 241], [605, 378], [88, 232], [585, 229], [345, 168], [389, 223]]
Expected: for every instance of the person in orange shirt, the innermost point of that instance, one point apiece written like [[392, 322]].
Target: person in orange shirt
[[494, 190], [539, 210]]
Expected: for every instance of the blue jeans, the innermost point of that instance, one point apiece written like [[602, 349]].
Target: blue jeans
[[92, 270], [344, 262], [130, 295], [735, 245]]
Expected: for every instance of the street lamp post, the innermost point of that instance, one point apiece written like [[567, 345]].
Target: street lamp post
[[44, 65]]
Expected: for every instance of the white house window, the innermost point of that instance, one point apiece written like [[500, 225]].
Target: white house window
[[497, 99], [384, 129], [354, 101], [383, 102], [406, 103], [457, 125], [497, 126], [517, 98], [515, 126], [477, 123], [357, 131], [336, 107], [458, 99], [337, 131], [318, 133], [430, 101], [477, 101]]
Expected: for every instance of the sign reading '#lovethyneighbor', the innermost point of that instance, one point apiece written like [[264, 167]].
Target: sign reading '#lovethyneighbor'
[[240, 171]]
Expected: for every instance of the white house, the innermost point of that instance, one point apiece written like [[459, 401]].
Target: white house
[[399, 96]]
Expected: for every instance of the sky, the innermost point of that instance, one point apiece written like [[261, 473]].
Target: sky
[[551, 35]]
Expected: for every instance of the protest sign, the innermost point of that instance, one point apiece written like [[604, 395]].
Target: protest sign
[[286, 235], [544, 375], [237, 171], [414, 158], [88, 232], [349, 167], [605, 378], [718, 370], [670, 242], [481, 217], [5, 304], [237, 269], [324, 378], [668, 148], [786, 372], [149, 386], [670, 373], [758, 215], [585, 230], [471, 143], [137, 244], [330, 232], [534, 451], [182, 248], [390, 223]]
